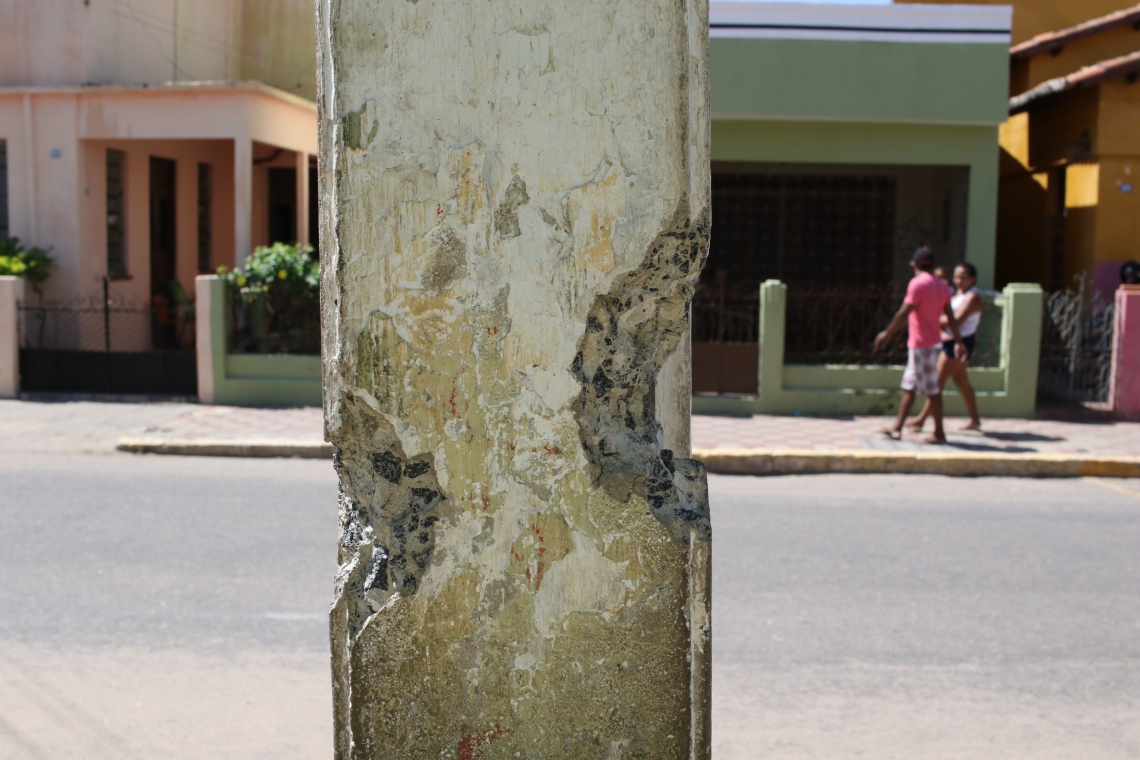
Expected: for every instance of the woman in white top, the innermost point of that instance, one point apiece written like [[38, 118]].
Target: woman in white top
[[967, 306]]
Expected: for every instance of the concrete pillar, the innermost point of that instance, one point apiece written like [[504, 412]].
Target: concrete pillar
[[243, 199], [1124, 387], [773, 316], [209, 334], [301, 161], [1021, 346], [11, 293], [515, 208]]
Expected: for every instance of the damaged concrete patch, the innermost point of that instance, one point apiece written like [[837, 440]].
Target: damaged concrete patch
[[630, 332], [506, 216], [448, 262], [360, 127], [389, 508]]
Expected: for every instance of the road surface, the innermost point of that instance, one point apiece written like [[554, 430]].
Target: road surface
[[175, 607]]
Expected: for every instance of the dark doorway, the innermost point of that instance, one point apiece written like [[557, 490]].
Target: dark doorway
[[282, 206], [314, 212], [162, 229]]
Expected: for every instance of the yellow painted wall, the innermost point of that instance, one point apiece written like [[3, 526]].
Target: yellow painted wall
[[1033, 17], [1118, 210]]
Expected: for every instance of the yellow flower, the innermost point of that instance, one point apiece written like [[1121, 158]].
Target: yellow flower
[[241, 282], [282, 274]]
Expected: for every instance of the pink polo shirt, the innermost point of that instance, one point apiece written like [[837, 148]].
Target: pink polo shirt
[[928, 295]]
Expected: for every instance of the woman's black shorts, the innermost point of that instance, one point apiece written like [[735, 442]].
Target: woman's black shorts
[[969, 340]]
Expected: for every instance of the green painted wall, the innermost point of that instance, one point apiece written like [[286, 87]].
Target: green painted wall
[[859, 81], [870, 143]]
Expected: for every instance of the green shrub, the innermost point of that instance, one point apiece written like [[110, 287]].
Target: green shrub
[[275, 301], [281, 269], [33, 264]]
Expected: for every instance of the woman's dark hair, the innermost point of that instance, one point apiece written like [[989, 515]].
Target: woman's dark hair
[[970, 269]]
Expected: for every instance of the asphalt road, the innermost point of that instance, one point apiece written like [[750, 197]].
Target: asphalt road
[[175, 607]]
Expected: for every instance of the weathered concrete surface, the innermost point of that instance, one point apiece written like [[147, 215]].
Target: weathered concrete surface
[[514, 209]]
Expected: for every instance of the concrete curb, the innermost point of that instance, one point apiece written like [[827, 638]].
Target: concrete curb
[[965, 464], [208, 448], [741, 461]]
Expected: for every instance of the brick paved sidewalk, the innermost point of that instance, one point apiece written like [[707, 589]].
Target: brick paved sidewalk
[[232, 423], [862, 433]]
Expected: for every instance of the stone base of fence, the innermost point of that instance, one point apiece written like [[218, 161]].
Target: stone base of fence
[[1009, 390], [11, 293], [246, 379]]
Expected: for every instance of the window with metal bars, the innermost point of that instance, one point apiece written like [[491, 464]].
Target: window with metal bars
[[205, 226], [4, 233], [803, 228], [116, 207]]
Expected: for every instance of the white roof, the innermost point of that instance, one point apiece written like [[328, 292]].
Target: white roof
[[752, 19]]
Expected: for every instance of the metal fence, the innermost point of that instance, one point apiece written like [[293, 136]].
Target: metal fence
[[724, 313], [106, 323], [838, 325], [1076, 346], [107, 344], [825, 324]]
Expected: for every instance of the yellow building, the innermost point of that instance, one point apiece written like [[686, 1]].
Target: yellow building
[[1070, 152]]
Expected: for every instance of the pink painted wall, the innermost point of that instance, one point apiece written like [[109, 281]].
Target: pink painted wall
[[1124, 390]]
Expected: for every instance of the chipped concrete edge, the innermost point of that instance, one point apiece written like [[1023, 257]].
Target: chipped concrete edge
[[235, 448], [965, 464]]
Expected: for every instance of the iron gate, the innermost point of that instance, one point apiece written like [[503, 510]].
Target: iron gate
[[108, 344], [1076, 346]]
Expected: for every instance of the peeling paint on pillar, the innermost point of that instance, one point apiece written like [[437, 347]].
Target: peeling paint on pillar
[[514, 212]]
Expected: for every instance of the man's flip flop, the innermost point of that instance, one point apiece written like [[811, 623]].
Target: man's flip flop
[[894, 435], [932, 440]]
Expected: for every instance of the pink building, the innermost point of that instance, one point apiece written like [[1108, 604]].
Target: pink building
[[149, 141]]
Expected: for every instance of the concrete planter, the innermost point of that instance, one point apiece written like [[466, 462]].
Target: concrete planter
[[246, 379]]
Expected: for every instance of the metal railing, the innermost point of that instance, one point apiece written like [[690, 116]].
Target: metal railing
[[724, 313], [1076, 345], [826, 324], [105, 323]]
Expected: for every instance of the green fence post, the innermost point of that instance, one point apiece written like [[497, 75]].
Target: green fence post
[[1021, 346], [770, 373]]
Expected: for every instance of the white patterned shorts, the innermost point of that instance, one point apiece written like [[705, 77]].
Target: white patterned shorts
[[922, 371]]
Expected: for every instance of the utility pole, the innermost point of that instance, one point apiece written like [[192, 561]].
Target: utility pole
[[514, 211]]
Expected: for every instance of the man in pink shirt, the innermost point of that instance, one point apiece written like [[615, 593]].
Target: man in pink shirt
[[927, 299]]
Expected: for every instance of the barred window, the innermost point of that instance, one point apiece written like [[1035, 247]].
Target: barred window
[[116, 206], [4, 190], [205, 226]]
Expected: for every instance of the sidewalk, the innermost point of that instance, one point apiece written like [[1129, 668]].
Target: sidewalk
[[742, 445]]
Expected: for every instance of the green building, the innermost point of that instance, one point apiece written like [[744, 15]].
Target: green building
[[843, 138]]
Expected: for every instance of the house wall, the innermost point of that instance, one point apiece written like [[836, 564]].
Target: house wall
[[1027, 73], [55, 142], [1089, 134], [859, 81], [871, 143], [186, 154], [55, 42]]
